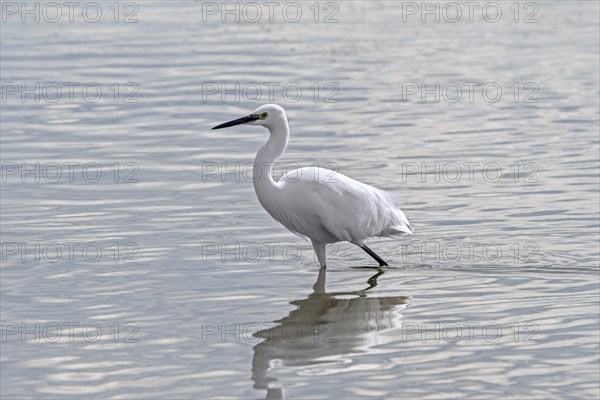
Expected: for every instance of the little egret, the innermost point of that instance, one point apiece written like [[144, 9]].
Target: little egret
[[316, 203]]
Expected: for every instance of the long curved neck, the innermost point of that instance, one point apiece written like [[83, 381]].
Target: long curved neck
[[268, 154]]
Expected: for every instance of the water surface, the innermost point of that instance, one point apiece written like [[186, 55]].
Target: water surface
[[198, 293]]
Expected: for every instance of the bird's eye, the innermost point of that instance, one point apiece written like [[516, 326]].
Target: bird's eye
[[263, 115]]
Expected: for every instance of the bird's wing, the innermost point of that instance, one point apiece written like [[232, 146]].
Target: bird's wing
[[334, 207]]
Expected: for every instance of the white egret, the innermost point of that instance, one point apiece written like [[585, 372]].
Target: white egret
[[316, 203]]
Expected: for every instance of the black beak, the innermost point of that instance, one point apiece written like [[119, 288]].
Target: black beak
[[243, 120]]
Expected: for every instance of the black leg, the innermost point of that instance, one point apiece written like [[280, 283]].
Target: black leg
[[370, 252]]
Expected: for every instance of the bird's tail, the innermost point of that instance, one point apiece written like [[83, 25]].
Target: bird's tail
[[404, 229], [401, 225]]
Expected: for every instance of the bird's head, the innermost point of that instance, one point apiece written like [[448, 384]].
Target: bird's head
[[268, 116]]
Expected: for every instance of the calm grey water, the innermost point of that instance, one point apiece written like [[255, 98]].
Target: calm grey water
[[137, 262]]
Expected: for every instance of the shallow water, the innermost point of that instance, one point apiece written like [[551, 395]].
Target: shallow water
[[163, 277]]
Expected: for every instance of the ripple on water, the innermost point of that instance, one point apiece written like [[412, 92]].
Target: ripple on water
[[495, 295]]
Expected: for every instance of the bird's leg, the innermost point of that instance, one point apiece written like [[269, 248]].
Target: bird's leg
[[370, 252], [320, 251], [319, 286]]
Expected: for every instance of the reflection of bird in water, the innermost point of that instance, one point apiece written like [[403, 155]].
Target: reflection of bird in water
[[324, 331]]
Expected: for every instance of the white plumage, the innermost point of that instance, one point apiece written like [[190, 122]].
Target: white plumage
[[317, 203]]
